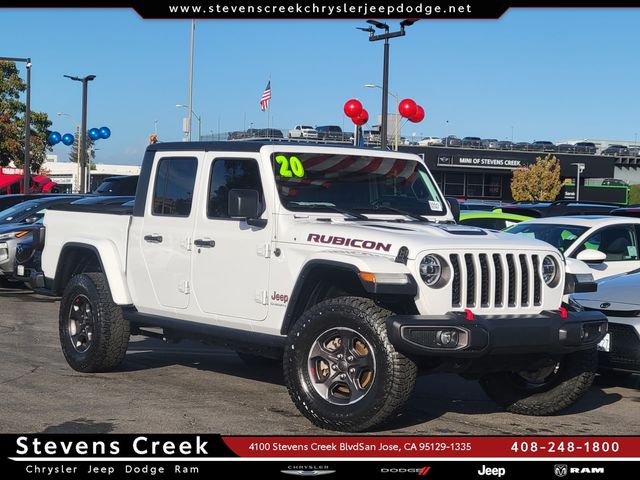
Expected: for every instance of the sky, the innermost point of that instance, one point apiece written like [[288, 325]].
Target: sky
[[536, 74]]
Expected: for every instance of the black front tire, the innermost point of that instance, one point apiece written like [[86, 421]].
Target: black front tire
[[383, 390], [573, 376], [93, 333]]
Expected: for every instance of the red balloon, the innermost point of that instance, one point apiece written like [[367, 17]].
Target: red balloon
[[407, 108], [352, 108], [418, 116], [361, 118]]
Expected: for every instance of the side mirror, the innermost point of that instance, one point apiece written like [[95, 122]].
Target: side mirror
[[245, 203], [591, 256], [455, 208]]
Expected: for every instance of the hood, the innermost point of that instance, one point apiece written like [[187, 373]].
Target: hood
[[388, 236], [619, 291]]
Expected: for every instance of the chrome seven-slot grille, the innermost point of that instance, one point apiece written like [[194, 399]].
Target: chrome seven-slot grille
[[496, 280]]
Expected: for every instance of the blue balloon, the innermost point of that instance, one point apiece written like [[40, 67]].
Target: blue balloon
[[54, 137], [94, 134], [105, 132], [67, 139]]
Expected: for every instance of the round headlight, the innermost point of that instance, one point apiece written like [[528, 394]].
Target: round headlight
[[549, 269], [431, 269]]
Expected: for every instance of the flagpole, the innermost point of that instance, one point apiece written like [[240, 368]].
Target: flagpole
[[269, 111]]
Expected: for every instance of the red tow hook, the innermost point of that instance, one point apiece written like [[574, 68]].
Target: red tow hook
[[469, 314], [563, 313]]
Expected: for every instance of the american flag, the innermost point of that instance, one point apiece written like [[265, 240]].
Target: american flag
[[266, 96]]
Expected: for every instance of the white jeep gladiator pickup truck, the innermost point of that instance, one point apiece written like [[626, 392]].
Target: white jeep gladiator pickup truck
[[344, 263]]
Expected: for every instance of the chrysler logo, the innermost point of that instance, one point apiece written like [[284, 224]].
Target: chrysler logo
[[605, 305]]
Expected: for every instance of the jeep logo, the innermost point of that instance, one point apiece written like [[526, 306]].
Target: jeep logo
[[279, 297]]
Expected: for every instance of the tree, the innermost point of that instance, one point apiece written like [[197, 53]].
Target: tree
[[539, 181], [73, 153], [12, 111]]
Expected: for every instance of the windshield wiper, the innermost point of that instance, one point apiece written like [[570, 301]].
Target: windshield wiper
[[314, 206], [415, 216]]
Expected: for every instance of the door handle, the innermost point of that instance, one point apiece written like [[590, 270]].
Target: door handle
[[204, 243], [153, 238]]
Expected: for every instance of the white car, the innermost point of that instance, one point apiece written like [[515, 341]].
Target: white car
[[303, 131], [609, 245], [431, 141], [616, 297]]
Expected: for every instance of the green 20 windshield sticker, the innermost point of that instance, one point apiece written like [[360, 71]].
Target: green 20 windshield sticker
[[290, 167]]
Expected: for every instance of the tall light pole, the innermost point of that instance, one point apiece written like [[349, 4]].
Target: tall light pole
[[385, 68], [190, 107], [179, 105], [82, 141], [397, 129], [579, 169], [26, 171], [79, 159]]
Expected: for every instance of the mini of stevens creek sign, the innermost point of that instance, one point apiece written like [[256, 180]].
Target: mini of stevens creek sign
[[481, 162]]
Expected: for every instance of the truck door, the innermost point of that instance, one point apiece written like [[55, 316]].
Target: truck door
[[230, 269], [162, 264]]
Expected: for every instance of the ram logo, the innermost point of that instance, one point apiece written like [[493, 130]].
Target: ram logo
[[560, 469]]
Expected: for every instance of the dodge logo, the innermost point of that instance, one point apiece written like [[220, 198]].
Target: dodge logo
[[605, 305]]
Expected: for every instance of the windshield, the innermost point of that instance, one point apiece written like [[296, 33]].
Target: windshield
[[308, 181], [560, 236]]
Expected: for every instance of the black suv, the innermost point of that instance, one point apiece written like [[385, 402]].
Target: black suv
[[330, 132], [616, 150], [543, 146], [585, 147], [473, 142], [121, 185]]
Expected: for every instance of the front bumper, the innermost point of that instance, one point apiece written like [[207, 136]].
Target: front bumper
[[453, 336]]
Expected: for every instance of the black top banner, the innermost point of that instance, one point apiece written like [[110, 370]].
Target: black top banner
[[312, 9]]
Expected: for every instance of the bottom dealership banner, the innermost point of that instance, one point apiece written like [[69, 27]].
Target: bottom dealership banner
[[215, 456]]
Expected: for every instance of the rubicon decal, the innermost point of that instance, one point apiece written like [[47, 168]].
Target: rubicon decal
[[348, 242]]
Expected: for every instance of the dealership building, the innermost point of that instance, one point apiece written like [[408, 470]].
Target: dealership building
[[486, 174]]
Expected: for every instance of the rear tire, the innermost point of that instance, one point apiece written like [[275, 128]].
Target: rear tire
[[93, 333], [538, 393], [341, 371]]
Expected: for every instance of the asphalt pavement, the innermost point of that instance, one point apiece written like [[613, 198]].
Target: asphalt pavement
[[192, 388]]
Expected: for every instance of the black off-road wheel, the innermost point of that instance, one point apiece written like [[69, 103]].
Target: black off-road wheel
[[93, 333], [547, 390], [341, 371]]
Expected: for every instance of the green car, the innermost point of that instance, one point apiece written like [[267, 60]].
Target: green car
[[495, 220]]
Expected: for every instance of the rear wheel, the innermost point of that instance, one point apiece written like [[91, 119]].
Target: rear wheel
[[546, 390], [341, 371], [93, 333]]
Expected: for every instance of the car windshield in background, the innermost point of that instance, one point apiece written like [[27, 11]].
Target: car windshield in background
[[18, 212], [309, 181], [560, 236]]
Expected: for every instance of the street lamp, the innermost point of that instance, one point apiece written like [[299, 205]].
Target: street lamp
[[73, 121], [179, 105], [27, 122], [397, 129], [385, 69], [82, 141], [579, 169]]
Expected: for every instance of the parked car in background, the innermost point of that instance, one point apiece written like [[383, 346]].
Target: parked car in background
[[451, 141], [7, 201], [608, 245], [616, 297], [330, 132], [491, 220], [522, 146], [616, 150], [566, 148], [491, 143], [434, 141], [543, 146], [505, 145], [559, 208], [586, 147], [119, 185], [473, 142], [303, 131], [479, 205], [617, 182]]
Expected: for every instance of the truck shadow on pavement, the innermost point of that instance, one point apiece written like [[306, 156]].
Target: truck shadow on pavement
[[434, 396]]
